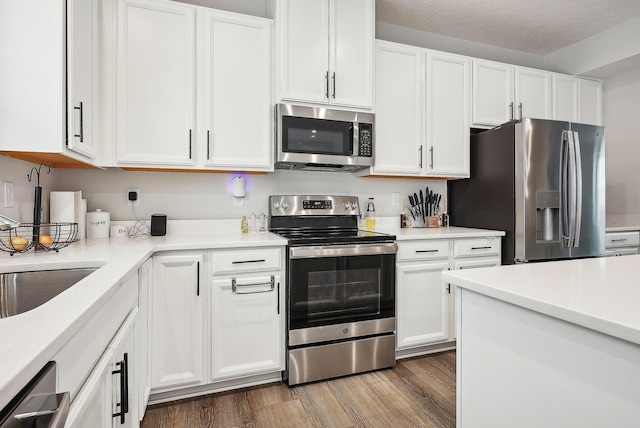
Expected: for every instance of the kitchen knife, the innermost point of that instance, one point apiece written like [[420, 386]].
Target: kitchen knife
[[422, 205]]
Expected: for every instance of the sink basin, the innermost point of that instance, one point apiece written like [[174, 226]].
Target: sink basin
[[22, 291]]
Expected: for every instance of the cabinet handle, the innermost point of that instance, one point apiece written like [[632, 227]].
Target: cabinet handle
[[480, 248], [198, 281], [236, 287], [520, 109], [326, 85], [431, 153], [449, 288], [239, 262], [190, 144], [333, 78], [511, 111], [427, 251], [81, 134], [278, 304], [420, 156], [123, 371], [619, 240], [208, 150]]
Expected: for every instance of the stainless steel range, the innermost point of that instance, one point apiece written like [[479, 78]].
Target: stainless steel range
[[340, 288]]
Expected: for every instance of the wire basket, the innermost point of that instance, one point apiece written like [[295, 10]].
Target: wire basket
[[45, 237]]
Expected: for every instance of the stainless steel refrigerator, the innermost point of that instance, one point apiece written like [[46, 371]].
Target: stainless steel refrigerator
[[540, 181]]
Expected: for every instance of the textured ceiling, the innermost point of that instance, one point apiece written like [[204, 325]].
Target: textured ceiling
[[535, 26]]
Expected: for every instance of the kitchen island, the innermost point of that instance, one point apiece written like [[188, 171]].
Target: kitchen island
[[551, 344]]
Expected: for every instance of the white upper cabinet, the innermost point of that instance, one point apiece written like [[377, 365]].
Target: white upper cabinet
[[533, 93], [565, 97], [422, 112], [325, 50], [46, 80], [237, 86], [492, 93], [156, 85], [399, 109], [448, 115], [590, 101], [502, 92]]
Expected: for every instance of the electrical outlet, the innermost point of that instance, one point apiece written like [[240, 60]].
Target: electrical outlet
[[133, 197], [9, 194]]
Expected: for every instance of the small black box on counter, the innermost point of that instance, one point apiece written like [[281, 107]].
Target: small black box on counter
[[158, 224]]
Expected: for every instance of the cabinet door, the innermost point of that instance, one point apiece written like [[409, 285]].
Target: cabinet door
[[246, 320], [156, 107], [422, 304], [304, 68], [399, 109], [533, 93], [590, 101], [447, 115], [81, 19], [124, 397], [92, 406], [351, 52], [237, 87], [176, 321], [565, 97], [492, 93]]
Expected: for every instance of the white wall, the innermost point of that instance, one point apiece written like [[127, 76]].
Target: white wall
[[15, 171], [621, 117], [208, 196]]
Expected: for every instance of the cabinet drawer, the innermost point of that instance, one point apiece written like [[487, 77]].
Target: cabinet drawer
[[423, 250], [622, 239], [476, 247], [245, 260]]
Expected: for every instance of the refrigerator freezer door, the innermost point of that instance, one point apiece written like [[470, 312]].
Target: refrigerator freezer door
[[592, 221], [538, 191]]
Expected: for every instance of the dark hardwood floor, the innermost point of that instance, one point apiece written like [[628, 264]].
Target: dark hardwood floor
[[419, 392]]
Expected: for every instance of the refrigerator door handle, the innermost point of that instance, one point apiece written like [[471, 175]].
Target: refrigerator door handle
[[564, 188], [578, 188]]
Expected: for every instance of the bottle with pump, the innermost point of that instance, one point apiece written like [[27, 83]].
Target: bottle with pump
[[371, 215]]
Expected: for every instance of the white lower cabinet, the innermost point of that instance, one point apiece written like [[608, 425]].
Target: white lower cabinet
[[425, 319], [177, 323], [108, 398], [246, 326], [423, 304], [143, 336]]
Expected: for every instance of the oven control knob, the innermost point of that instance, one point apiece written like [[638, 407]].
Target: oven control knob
[[347, 205], [353, 206], [276, 205], [345, 331], [285, 205]]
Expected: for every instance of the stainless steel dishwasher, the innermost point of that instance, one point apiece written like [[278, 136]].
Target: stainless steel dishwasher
[[38, 404]]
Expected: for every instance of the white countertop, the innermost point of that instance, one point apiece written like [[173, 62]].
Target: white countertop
[[622, 223], [602, 294], [32, 338]]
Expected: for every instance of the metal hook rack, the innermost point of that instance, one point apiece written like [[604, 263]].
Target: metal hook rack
[[37, 171]]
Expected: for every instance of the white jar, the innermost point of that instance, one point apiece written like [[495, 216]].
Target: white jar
[[98, 224]]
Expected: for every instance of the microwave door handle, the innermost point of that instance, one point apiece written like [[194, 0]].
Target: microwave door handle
[[578, 189]]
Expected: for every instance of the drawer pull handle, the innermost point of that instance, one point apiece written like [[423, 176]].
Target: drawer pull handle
[[239, 262], [427, 251], [480, 248], [236, 287], [619, 240]]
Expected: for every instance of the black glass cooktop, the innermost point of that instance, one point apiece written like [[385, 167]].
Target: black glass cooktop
[[337, 237]]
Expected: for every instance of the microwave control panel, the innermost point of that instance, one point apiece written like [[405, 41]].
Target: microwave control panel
[[365, 144]]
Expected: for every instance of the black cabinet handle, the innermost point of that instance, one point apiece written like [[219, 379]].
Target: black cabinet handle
[[190, 132], [326, 85], [208, 150], [198, 281], [278, 297], [480, 248], [333, 78], [248, 261], [123, 371], [427, 251], [81, 134]]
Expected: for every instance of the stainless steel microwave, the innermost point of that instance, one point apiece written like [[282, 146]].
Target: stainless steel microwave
[[322, 139]]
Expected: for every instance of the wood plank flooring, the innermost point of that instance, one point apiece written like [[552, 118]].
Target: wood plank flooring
[[419, 392]]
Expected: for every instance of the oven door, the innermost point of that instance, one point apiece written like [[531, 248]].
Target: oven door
[[341, 284]]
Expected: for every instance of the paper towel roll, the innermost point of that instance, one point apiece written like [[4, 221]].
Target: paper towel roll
[[62, 207], [98, 224], [82, 220]]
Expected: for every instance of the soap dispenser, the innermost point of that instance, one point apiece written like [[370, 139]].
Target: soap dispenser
[[371, 215]]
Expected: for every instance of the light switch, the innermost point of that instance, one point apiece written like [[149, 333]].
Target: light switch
[[9, 194]]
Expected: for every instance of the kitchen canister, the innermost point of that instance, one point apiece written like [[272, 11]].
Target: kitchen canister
[[98, 224], [118, 231]]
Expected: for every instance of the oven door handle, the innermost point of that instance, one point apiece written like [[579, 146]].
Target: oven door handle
[[235, 287], [342, 250]]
